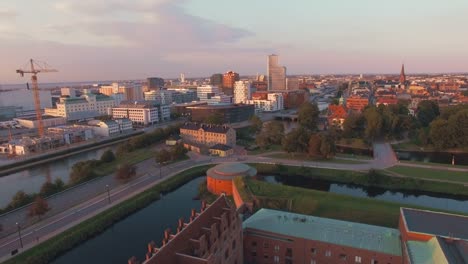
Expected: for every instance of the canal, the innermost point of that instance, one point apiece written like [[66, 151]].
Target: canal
[[131, 236], [432, 200], [31, 180]]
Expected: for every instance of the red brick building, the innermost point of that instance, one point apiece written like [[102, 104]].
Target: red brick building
[[433, 237], [229, 78], [356, 103], [212, 236], [337, 115], [272, 236], [220, 178]]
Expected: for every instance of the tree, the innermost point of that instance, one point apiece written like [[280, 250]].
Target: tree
[[216, 119], [308, 116], [374, 123], [162, 156], [427, 112], [353, 126], [49, 188], [19, 199], [297, 140], [82, 171], [438, 134], [274, 131], [315, 142], [178, 151], [107, 156], [256, 124], [327, 146], [125, 172], [458, 128], [39, 207]]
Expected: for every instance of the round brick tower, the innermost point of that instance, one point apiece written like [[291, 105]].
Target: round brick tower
[[219, 178]]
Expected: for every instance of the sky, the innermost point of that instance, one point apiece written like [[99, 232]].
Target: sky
[[121, 39]]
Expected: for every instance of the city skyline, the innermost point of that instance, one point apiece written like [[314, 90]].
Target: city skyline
[[114, 39]]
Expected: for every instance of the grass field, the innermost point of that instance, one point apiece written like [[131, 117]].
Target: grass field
[[427, 173], [441, 165], [305, 157], [131, 158], [324, 204]]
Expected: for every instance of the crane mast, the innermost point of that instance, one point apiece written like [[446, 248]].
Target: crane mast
[[35, 87]]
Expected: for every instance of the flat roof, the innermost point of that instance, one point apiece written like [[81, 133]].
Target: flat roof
[[350, 234], [226, 171], [435, 223], [436, 251]]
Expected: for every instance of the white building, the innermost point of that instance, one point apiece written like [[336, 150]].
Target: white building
[[125, 125], [164, 112], [140, 113], [106, 128], [242, 92], [73, 134], [274, 102], [160, 96], [212, 95], [89, 105]]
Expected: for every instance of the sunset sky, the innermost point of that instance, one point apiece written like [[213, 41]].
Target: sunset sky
[[123, 39]]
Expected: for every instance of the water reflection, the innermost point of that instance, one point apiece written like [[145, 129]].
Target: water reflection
[[421, 198]]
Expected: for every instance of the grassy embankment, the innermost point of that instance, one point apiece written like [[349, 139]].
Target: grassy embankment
[[431, 173], [305, 157], [375, 179], [54, 247], [324, 204]]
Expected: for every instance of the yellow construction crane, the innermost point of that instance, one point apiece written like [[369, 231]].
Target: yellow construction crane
[[34, 70]]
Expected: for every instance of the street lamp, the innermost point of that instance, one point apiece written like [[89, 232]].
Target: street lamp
[[108, 193], [19, 234]]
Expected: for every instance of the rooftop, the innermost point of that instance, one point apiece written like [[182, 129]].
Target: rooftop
[[226, 171], [350, 234], [435, 223], [437, 250], [206, 127]]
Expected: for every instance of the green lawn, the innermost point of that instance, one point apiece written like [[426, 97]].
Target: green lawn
[[131, 158], [305, 157], [435, 164], [427, 173], [324, 204]]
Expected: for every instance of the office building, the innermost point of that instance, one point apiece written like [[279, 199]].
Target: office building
[[242, 92], [229, 78], [155, 83], [181, 95], [212, 95], [216, 79], [292, 84], [130, 91], [267, 102], [229, 113], [276, 74], [208, 134], [88, 105], [160, 96], [140, 113]]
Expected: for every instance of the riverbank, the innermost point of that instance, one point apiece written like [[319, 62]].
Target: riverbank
[[48, 250], [60, 154], [325, 204], [369, 179]]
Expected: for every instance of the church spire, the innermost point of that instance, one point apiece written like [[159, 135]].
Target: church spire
[[402, 74]]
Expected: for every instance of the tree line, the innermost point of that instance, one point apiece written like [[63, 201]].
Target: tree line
[[303, 139]]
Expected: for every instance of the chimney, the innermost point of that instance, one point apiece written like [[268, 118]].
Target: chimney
[[203, 205], [167, 234], [133, 260], [151, 246]]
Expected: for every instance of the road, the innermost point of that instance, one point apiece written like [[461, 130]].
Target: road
[[65, 217]]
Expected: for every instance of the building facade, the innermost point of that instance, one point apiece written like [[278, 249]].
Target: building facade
[[211, 236], [272, 236], [276, 74], [207, 134], [216, 79], [242, 92], [229, 78], [212, 95], [88, 105], [272, 103], [229, 113], [140, 113], [155, 83], [357, 103]]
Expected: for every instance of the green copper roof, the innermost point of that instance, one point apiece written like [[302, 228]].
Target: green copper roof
[[428, 252], [350, 234]]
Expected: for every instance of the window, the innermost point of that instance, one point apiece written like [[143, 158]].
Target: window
[[276, 259], [277, 248], [254, 254], [289, 252], [357, 259], [313, 261], [328, 253], [233, 244], [254, 243], [343, 256], [266, 245], [313, 251], [265, 256], [373, 261]]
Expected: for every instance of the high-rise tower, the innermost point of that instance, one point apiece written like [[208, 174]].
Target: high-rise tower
[[402, 74], [276, 74]]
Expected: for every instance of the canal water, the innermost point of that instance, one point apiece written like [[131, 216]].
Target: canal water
[[31, 180], [131, 236], [459, 158], [432, 200]]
